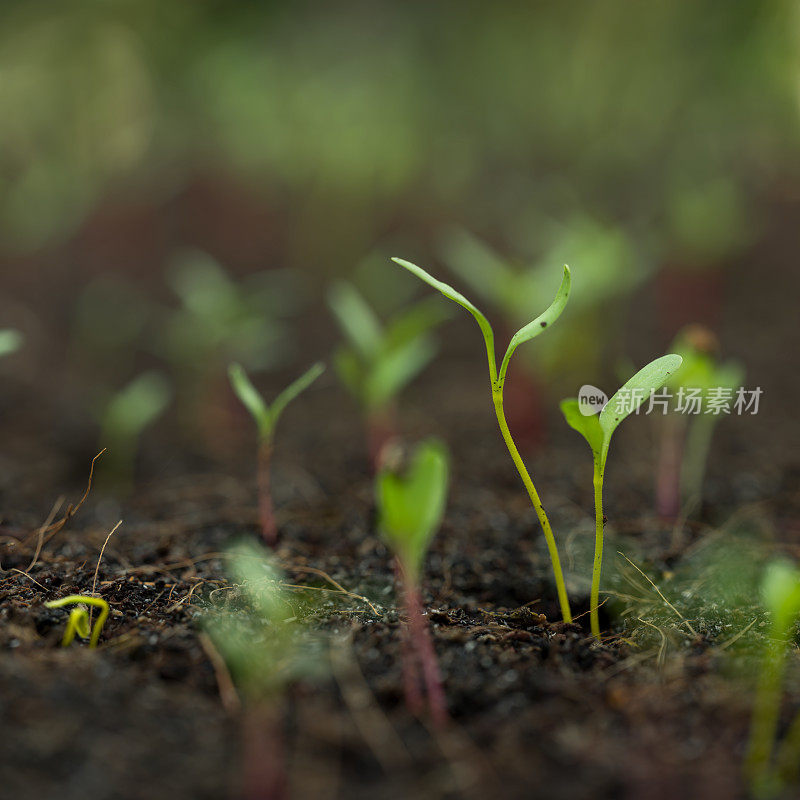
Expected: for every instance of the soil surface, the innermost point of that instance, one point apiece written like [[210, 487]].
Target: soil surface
[[659, 709]]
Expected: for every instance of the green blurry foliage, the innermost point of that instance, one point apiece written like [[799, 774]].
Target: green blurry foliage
[[703, 370], [10, 341], [221, 320], [707, 222], [125, 416], [110, 323], [768, 772], [411, 504], [609, 273], [261, 629], [379, 360], [324, 103], [714, 585]]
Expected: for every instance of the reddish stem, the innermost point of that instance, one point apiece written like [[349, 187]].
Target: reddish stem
[[668, 470], [266, 514], [381, 430], [423, 654], [412, 683], [264, 767]]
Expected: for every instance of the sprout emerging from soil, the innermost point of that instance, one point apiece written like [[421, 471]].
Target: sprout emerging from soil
[[597, 430], [497, 379], [379, 360], [410, 509], [78, 621], [266, 418], [10, 341], [266, 647], [781, 593], [126, 416]]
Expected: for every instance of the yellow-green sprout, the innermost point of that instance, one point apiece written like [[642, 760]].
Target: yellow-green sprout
[[78, 621]]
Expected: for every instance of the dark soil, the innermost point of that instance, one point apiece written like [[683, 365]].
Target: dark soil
[[538, 709]]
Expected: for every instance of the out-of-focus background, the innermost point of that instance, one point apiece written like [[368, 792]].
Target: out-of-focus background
[[182, 183]]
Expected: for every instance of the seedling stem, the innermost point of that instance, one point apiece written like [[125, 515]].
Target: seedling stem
[[529, 331], [594, 598], [561, 588]]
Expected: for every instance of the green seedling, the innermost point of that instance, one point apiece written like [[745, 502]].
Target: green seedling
[[267, 647], [598, 430], [411, 506], [219, 320], [686, 438], [781, 595], [497, 380], [224, 320], [266, 418], [126, 415], [109, 325], [78, 621], [379, 360], [516, 285], [10, 341]]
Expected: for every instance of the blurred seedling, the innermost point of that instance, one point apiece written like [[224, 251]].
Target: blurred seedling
[[78, 620], [125, 417], [497, 380], [266, 646], [707, 220], [686, 437], [411, 506], [379, 360], [598, 430], [222, 320], [769, 773], [10, 341], [109, 325], [515, 286], [266, 418]]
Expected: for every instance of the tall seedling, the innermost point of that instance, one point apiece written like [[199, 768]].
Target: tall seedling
[[497, 380]]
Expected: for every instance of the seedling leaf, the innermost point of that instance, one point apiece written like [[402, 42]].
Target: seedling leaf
[[250, 397], [294, 389], [356, 318], [635, 391], [266, 417], [396, 369], [540, 323], [456, 297], [137, 404], [411, 506], [586, 425]]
